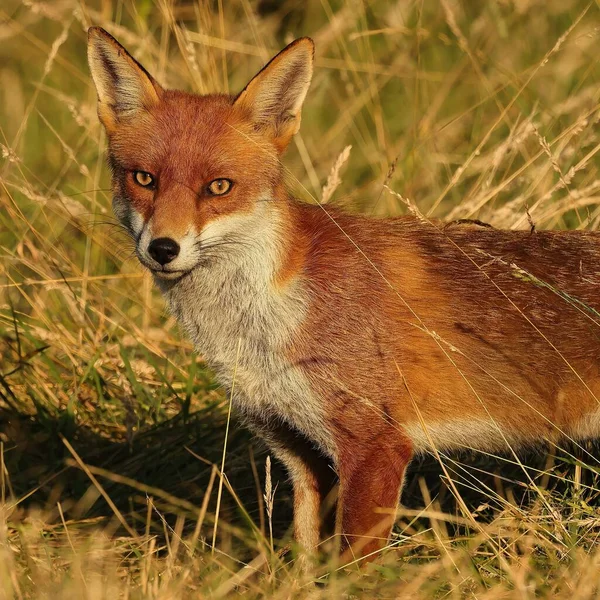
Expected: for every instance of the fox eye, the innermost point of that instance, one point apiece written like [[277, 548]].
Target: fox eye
[[143, 178], [218, 187]]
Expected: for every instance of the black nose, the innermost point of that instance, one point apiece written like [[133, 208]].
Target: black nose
[[163, 250]]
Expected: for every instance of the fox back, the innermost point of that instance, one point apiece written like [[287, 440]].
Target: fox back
[[350, 342]]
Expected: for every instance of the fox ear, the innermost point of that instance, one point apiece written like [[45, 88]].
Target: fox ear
[[274, 97], [124, 87]]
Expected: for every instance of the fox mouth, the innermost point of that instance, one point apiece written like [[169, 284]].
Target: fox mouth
[[170, 274], [162, 272]]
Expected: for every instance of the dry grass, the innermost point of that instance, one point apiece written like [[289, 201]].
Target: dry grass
[[112, 431]]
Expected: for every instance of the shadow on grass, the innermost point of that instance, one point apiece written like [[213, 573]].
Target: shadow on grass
[[175, 464]]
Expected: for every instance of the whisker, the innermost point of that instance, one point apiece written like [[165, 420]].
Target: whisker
[[227, 241]]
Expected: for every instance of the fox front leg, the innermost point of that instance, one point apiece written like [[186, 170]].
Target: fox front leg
[[313, 480], [370, 486]]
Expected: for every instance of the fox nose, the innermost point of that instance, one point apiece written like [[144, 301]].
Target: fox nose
[[163, 250]]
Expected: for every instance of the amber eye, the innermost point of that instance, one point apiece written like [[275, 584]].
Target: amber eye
[[144, 179], [218, 187]]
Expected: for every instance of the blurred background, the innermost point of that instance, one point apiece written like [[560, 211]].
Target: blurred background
[[108, 420]]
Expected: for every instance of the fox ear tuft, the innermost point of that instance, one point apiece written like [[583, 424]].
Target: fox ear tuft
[[124, 87], [274, 97]]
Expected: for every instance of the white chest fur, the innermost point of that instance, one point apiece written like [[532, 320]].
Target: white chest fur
[[241, 323]]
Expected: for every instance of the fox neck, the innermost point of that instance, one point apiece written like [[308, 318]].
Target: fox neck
[[244, 309]]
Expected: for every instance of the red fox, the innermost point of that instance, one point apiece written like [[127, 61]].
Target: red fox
[[354, 342]]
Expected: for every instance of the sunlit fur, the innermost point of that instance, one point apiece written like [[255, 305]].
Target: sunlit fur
[[351, 342]]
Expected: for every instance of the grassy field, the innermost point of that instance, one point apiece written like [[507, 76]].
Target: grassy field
[[112, 431]]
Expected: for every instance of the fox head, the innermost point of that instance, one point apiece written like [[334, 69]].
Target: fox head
[[189, 171]]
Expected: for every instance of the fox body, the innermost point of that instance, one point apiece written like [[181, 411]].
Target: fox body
[[352, 343]]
